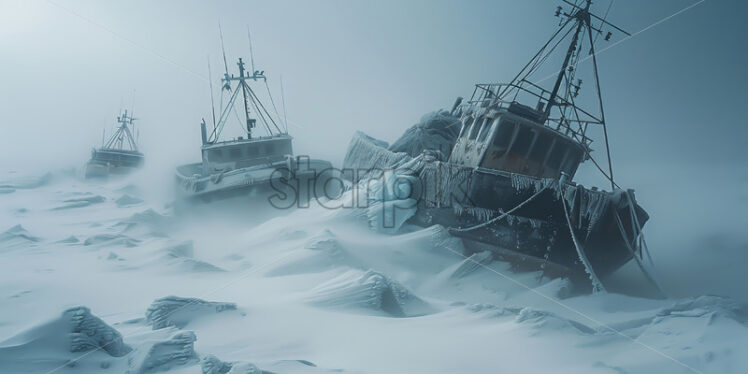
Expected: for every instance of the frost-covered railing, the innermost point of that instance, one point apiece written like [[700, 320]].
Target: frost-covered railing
[[504, 95]]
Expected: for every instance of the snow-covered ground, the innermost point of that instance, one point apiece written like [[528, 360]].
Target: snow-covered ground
[[103, 277]]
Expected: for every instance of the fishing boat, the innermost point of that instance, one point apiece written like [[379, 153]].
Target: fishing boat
[[505, 183], [250, 165], [119, 154]]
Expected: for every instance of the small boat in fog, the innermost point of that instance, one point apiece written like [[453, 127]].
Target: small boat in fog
[[249, 164], [504, 182], [119, 154]]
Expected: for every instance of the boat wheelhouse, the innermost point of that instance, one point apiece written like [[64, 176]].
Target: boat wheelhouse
[[248, 163], [118, 155], [512, 137]]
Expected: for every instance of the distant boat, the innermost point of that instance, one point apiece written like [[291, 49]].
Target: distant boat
[[119, 155], [251, 164]]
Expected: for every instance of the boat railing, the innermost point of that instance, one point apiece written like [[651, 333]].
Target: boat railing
[[504, 95]]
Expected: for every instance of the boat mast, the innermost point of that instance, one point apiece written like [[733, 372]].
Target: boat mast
[[583, 18], [117, 141], [251, 100], [572, 47], [243, 83]]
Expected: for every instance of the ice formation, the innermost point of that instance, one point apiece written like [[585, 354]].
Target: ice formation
[[180, 257], [469, 265], [72, 239], [435, 131], [368, 290], [367, 156], [76, 330], [127, 200], [81, 202], [321, 252], [111, 239], [211, 364], [245, 368], [16, 236], [707, 306], [148, 222], [391, 202], [180, 311], [178, 351], [547, 321]]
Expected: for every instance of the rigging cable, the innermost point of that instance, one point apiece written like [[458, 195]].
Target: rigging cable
[[639, 262], [596, 284], [272, 102], [499, 218]]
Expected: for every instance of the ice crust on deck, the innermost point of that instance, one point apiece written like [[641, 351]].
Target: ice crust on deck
[[180, 311], [370, 290], [76, 330], [178, 351]]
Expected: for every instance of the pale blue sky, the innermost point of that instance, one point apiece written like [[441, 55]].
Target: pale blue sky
[[673, 93]]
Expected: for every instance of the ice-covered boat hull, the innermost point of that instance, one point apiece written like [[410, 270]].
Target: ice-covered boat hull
[[105, 163], [287, 179], [470, 201]]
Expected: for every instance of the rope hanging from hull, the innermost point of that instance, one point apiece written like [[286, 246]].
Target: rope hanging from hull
[[499, 218], [597, 286], [639, 262]]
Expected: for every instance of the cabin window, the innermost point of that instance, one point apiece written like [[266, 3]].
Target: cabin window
[[540, 149], [235, 153], [466, 127], [488, 125], [503, 135], [216, 155], [523, 141], [475, 129], [269, 148], [556, 156], [570, 163]]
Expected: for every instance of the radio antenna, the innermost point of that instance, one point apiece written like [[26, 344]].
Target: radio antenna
[[251, 55], [212, 101], [283, 101], [225, 64]]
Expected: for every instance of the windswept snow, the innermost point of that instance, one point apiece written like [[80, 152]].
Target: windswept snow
[[314, 290], [179, 311]]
